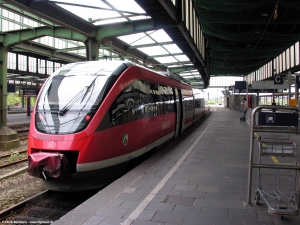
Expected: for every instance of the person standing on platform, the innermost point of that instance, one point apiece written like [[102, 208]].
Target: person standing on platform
[[273, 104], [245, 108]]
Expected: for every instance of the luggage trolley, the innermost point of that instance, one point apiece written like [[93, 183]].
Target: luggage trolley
[[283, 199], [277, 183]]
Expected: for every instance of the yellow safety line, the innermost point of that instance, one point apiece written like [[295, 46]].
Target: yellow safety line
[[274, 159]]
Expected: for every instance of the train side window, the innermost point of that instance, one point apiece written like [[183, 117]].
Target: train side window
[[188, 101], [122, 110], [172, 101], [187, 105], [140, 99], [167, 99], [150, 101], [163, 91], [197, 103], [171, 105], [155, 97]]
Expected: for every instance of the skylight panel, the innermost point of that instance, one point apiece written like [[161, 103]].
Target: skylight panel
[[172, 48], [182, 58], [159, 36], [133, 18], [136, 39], [184, 74], [126, 5], [86, 13], [143, 41], [127, 8], [187, 76], [168, 59], [85, 2], [153, 50]]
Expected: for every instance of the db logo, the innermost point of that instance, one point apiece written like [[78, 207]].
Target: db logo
[[51, 144], [165, 125], [125, 139]]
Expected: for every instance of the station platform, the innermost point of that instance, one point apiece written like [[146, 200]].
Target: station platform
[[18, 118], [200, 178]]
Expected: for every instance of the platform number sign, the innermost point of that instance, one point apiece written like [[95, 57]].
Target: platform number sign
[[278, 79]]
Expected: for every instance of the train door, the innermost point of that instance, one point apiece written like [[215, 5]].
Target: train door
[[179, 112], [194, 108]]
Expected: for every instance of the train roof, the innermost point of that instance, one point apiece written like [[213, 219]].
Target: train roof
[[94, 67], [109, 66]]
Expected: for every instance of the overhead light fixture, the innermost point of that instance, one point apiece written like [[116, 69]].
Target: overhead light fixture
[[264, 14]]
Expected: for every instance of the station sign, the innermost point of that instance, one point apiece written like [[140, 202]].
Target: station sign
[[269, 84], [251, 90], [28, 92], [11, 88], [278, 79], [241, 85]]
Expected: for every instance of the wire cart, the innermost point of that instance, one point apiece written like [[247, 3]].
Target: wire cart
[[277, 183], [283, 199]]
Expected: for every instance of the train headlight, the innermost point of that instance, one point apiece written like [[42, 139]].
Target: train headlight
[[88, 117]]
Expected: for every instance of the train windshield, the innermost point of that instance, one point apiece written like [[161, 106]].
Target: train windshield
[[70, 97]]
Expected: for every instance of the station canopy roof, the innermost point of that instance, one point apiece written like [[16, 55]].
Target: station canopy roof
[[153, 49], [241, 35], [244, 35], [155, 44]]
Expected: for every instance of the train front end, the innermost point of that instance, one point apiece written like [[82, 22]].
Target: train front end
[[63, 123]]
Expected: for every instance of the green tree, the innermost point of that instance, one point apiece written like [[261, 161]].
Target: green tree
[[211, 102], [13, 98]]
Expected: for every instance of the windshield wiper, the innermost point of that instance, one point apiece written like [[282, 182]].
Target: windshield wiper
[[81, 95]]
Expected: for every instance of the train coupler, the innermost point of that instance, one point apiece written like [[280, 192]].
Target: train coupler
[[47, 165]]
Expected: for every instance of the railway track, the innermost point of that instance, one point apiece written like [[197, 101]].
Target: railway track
[[9, 154], [13, 163], [45, 208], [13, 158]]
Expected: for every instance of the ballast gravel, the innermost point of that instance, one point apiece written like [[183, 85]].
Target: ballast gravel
[[16, 189]]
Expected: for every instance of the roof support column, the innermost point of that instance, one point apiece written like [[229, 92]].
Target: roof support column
[[3, 85], [92, 49], [8, 137]]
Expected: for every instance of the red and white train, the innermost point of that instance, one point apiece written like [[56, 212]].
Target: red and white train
[[92, 118]]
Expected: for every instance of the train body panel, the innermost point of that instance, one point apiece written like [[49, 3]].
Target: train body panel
[[119, 112], [159, 126], [121, 158]]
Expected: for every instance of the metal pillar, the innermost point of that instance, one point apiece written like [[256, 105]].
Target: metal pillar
[[8, 138], [92, 49]]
